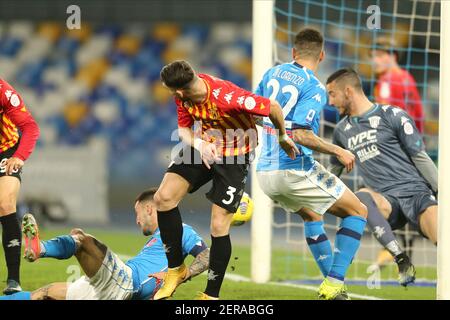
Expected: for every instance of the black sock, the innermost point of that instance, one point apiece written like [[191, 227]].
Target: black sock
[[171, 228], [402, 258], [12, 244], [218, 261]]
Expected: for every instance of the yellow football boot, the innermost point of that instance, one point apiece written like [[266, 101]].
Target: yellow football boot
[[173, 278], [204, 296], [332, 291]]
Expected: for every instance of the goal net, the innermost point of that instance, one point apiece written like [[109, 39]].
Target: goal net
[[350, 28]]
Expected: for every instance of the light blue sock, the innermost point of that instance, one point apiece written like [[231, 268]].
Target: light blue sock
[[62, 247], [23, 295], [319, 245], [346, 245]]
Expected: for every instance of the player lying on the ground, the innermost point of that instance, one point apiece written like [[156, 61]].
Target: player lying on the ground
[[401, 179], [107, 276], [302, 185]]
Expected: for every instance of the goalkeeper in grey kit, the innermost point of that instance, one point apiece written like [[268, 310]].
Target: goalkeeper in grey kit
[[401, 180]]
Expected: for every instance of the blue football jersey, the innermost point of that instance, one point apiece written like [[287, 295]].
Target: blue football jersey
[[302, 97], [152, 259]]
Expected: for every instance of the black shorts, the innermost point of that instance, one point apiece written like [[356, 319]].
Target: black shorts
[[5, 156], [228, 177], [407, 209]]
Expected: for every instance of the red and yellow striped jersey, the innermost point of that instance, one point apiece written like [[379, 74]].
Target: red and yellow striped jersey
[[9, 134], [225, 116], [14, 116]]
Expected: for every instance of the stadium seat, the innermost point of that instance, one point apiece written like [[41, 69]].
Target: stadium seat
[[50, 30], [104, 80]]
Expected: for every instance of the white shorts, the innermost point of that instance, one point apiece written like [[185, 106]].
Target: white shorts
[[113, 281], [316, 189]]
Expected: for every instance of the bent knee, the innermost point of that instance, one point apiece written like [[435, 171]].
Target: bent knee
[[357, 209], [164, 199], [362, 210], [365, 190], [309, 215]]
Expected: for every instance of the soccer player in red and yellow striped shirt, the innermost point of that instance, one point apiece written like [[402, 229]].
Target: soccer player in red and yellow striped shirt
[[215, 121], [14, 150]]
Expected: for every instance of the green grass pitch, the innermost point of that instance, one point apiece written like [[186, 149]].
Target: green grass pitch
[[44, 271]]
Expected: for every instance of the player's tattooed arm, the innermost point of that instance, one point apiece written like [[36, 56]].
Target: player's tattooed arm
[[53, 291], [200, 264], [41, 293], [307, 138]]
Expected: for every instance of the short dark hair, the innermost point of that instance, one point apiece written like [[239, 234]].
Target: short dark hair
[[388, 45], [309, 43], [146, 195], [177, 74], [346, 76]]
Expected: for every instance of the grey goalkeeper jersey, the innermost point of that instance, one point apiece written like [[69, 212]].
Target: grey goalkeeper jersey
[[384, 141]]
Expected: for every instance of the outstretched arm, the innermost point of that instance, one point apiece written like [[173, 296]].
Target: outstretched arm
[[308, 139], [53, 291], [199, 265]]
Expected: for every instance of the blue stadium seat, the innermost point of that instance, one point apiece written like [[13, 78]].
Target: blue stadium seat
[[10, 46], [138, 125]]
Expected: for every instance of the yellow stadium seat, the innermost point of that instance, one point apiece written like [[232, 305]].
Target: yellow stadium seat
[[243, 67], [365, 69], [166, 32], [160, 94], [431, 127], [170, 55], [50, 30], [74, 113], [81, 34], [281, 35], [128, 44], [92, 73]]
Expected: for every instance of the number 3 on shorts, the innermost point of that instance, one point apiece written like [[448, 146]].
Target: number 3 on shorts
[[230, 192]]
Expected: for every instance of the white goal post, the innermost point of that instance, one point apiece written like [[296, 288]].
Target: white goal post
[[443, 253], [261, 225]]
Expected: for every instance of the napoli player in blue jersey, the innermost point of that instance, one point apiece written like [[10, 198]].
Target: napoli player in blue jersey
[[304, 186], [107, 276]]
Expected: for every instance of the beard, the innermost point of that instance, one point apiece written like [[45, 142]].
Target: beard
[[146, 232], [345, 109]]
